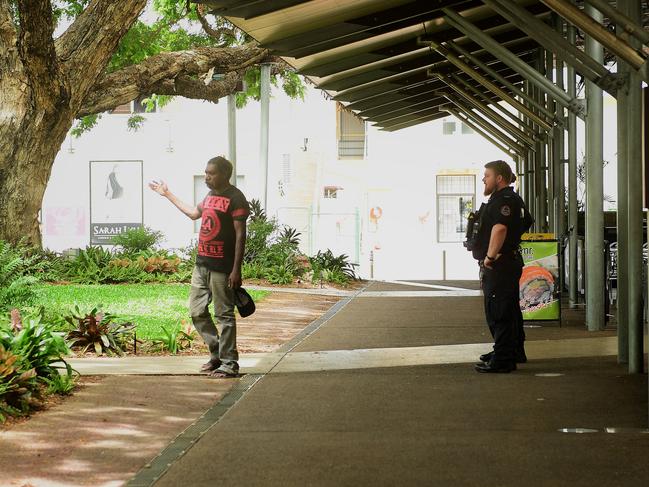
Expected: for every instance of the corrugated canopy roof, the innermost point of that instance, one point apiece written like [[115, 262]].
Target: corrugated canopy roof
[[375, 56]]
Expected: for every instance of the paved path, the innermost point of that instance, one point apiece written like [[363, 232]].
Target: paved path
[[381, 393]]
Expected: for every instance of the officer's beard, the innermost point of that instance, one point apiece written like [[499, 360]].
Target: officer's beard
[[489, 190]]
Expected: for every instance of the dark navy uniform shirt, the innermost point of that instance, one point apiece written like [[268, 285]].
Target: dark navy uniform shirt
[[504, 207]]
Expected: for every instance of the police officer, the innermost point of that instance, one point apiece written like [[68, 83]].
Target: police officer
[[502, 222]]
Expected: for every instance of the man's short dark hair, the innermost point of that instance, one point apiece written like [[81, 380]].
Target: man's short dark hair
[[501, 168], [222, 165]]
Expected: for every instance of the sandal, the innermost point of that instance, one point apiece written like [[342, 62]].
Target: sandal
[[221, 374], [213, 364]]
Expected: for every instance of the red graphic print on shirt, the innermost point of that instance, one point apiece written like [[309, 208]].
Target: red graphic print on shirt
[[216, 240], [208, 245]]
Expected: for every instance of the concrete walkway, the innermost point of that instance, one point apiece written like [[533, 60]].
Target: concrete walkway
[[382, 392]]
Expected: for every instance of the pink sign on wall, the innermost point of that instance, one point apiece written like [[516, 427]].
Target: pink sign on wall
[[66, 221]]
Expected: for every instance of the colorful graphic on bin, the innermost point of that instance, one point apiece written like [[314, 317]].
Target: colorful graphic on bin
[[539, 283]]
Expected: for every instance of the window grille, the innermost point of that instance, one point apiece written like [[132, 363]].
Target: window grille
[[351, 134], [455, 200]]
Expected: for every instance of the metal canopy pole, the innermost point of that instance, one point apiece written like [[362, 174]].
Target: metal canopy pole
[[551, 151], [592, 27], [573, 213], [263, 144], [622, 299], [459, 63], [488, 112], [513, 88], [594, 192], [560, 141], [541, 151], [622, 20], [507, 57], [232, 136], [548, 38], [635, 207]]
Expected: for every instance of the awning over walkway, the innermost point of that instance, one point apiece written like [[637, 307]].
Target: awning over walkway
[[398, 63]]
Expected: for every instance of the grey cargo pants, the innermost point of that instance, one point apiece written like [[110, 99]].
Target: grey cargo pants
[[211, 286]]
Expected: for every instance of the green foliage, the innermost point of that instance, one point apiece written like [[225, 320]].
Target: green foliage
[[97, 330], [89, 267], [135, 122], [138, 240], [282, 273], [176, 338], [60, 384], [291, 84], [31, 354], [331, 268], [37, 343], [16, 284], [85, 124], [17, 385]]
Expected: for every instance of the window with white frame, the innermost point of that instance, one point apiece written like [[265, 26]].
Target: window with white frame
[[455, 200]]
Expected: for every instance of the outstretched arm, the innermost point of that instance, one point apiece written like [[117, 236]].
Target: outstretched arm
[[162, 189]]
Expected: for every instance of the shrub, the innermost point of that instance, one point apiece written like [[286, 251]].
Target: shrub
[[16, 286], [138, 240], [30, 352], [89, 266], [176, 338], [328, 267], [18, 385], [96, 329], [38, 344]]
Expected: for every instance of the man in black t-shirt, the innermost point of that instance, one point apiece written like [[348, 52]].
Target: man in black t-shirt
[[502, 222], [217, 273]]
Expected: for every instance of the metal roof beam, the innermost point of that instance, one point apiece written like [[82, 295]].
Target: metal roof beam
[[248, 9], [390, 93], [482, 123], [511, 38], [489, 113], [405, 103], [618, 46], [480, 131], [554, 42], [515, 90], [411, 123], [375, 52], [512, 60], [360, 28], [375, 88]]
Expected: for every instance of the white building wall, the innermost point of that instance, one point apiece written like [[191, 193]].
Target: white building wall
[[399, 176]]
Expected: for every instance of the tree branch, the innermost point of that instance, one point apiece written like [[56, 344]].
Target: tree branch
[[197, 90], [173, 73], [89, 43], [35, 40], [8, 35], [211, 31]]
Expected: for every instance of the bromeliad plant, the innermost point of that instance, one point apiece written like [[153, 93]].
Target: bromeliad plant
[[18, 385], [96, 329], [31, 354], [176, 339]]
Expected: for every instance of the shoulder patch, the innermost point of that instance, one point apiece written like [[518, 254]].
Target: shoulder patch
[[505, 210]]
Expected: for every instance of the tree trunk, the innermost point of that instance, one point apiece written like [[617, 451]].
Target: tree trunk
[[32, 129]]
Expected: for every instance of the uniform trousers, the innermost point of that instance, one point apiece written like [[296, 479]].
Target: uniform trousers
[[500, 286]]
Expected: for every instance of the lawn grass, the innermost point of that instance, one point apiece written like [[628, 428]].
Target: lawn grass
[[149, 306]]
